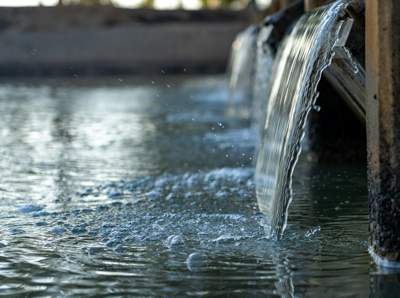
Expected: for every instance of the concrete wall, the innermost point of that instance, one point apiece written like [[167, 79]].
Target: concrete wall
[[127, 47]]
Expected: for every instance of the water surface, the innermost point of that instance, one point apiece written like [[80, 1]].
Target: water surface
[[124, 187]]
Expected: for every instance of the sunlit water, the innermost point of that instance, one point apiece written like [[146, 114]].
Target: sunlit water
[[121, 187]]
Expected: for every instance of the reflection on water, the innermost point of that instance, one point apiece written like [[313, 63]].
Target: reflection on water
[[124, 187]]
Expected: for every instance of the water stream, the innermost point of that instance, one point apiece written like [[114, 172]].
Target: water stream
[[262, 78], [241, 72], [299, 64]]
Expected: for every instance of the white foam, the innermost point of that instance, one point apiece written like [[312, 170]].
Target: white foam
[[382, 262]]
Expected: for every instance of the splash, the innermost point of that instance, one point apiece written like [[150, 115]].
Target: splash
[[299, 64]]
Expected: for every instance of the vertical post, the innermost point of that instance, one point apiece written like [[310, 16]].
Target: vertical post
[[311, 4], [383, 127]]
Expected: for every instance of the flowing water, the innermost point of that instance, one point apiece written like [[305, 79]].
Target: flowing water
[[262, 78], [144, 187], [299, 64], [241, 72]]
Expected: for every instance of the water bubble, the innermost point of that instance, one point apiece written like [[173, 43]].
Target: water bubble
[[195, 261], [174, 240], [29, 208], [153, 195], [114, 193], [58, 231]]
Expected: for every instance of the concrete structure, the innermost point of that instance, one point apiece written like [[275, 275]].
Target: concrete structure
[[122, 49], [91, 41]]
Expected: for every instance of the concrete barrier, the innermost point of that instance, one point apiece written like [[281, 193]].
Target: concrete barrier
[[126, 47]]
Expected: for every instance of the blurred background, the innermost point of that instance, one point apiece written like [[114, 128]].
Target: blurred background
[[107, 37]]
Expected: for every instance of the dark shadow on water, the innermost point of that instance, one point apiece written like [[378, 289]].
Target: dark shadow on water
[[384, 283]]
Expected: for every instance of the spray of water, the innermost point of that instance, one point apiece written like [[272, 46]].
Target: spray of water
[[298, 67]]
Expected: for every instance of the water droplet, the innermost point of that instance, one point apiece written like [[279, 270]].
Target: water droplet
[[195, 261], [317, 108], [312, 232]]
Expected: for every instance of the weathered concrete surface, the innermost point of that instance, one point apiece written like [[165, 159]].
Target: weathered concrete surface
[[383, 125], [36, 42]]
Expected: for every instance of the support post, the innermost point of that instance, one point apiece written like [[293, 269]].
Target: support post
[[383, 128]]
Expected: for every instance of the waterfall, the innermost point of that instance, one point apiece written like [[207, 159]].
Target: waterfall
[[262, 77], [241, 72], [297, 70]]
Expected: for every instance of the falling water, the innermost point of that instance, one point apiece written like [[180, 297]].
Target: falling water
[[298, 67], [241, 72], [262, 77]]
